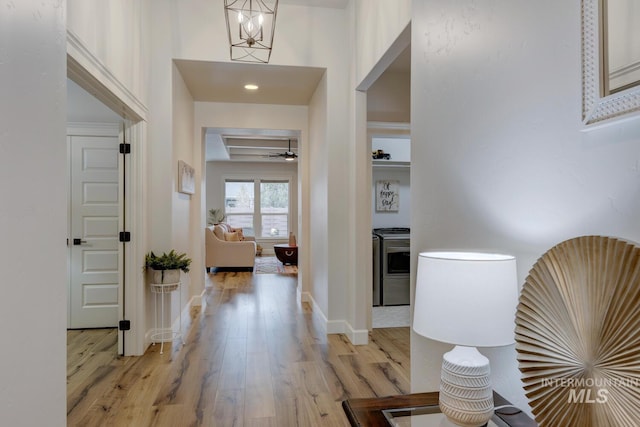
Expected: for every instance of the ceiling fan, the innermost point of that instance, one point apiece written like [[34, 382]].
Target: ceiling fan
[[287, 155]]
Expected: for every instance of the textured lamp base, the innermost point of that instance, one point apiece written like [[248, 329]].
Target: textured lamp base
[[466, 397]]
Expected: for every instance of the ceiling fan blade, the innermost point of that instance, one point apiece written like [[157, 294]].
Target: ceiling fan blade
[[287, 155]]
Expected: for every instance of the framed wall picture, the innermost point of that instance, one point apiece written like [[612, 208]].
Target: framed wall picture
[[186, 178], [387, 196]]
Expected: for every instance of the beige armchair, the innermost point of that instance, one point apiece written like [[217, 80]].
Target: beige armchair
[[224, 253]]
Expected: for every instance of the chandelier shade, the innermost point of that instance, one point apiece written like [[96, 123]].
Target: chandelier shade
[[250, 26]]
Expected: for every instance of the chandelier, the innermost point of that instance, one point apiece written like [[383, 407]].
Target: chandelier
[[250, 24]]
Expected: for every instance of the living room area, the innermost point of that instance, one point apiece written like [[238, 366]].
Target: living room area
[[257, 194]]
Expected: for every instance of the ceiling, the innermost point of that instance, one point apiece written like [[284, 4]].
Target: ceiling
[[288, 85], [224, 82], [83, 107], [249, 145], [334, 4]]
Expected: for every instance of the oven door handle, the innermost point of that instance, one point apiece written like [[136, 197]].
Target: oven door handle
[[397, 249]]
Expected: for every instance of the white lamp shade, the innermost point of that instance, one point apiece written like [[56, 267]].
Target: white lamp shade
[[466, 298]]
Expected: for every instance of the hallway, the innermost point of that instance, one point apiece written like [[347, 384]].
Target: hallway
[[253, 357]]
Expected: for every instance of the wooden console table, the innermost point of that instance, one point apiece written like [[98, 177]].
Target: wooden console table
[[367, 412]]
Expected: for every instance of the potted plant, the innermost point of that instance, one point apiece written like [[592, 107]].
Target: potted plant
[[166, 267], [216, 216]]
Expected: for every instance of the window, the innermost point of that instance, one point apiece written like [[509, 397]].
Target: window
[[261, 206], [238, 203], [274, 208]]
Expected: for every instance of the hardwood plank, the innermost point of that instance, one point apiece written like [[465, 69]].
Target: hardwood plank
[[233, 369], [290, 412], [115, 390], [259, 400], [253, 356], [340, 344], [378, 377], [396, 355], [322, 410], [229, 408], [340, 379], [262, 422], [82, 344], [87, 374]]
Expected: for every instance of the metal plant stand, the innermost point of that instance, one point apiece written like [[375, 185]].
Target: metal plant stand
[[162, 335]]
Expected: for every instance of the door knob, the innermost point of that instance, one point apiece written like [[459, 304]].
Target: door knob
[[79, 241]]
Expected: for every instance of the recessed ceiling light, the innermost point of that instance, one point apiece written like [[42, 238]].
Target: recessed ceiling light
[[251, 87]]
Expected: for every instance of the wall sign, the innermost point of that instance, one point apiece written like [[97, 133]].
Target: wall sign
[[186, 178], [387, 196]]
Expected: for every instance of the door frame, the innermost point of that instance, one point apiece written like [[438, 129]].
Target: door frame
[[89, 73]]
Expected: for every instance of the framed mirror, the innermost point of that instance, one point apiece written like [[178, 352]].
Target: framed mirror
[[610, 61]]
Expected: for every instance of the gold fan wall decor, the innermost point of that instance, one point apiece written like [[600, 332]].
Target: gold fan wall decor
[[578, 334]]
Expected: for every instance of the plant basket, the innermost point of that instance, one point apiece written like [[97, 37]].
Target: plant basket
[[165, 276]]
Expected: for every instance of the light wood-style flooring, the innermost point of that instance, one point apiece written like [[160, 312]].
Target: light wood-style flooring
[[254, 356]]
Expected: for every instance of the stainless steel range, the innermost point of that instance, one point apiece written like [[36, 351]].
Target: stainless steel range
[[392, 266]]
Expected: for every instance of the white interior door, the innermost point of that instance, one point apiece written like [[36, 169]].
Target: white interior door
[[94, 225]]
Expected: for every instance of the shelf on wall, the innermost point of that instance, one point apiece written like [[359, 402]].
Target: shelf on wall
[[389, 163]]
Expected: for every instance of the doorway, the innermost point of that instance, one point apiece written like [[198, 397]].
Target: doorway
[[100, 90], [385, 115], [95, 211], [234, 181], [94, 208]]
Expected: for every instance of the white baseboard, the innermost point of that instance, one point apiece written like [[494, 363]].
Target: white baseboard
[[357, 337], [197, 300], [305, 297]]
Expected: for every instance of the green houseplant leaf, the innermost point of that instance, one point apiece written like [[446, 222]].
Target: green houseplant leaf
[[216, 216], [167, 261]]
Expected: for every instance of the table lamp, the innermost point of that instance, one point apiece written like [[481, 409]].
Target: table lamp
[[467, 299]]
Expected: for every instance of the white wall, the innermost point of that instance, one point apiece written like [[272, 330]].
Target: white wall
[[379, 22], [186, 207], [33, 213], [114, 32], [388, 99], [318, 172], [499, 149]]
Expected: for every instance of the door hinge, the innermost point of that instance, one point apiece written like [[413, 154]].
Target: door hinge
[[124, 325], [125, 236], [125, 148]]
